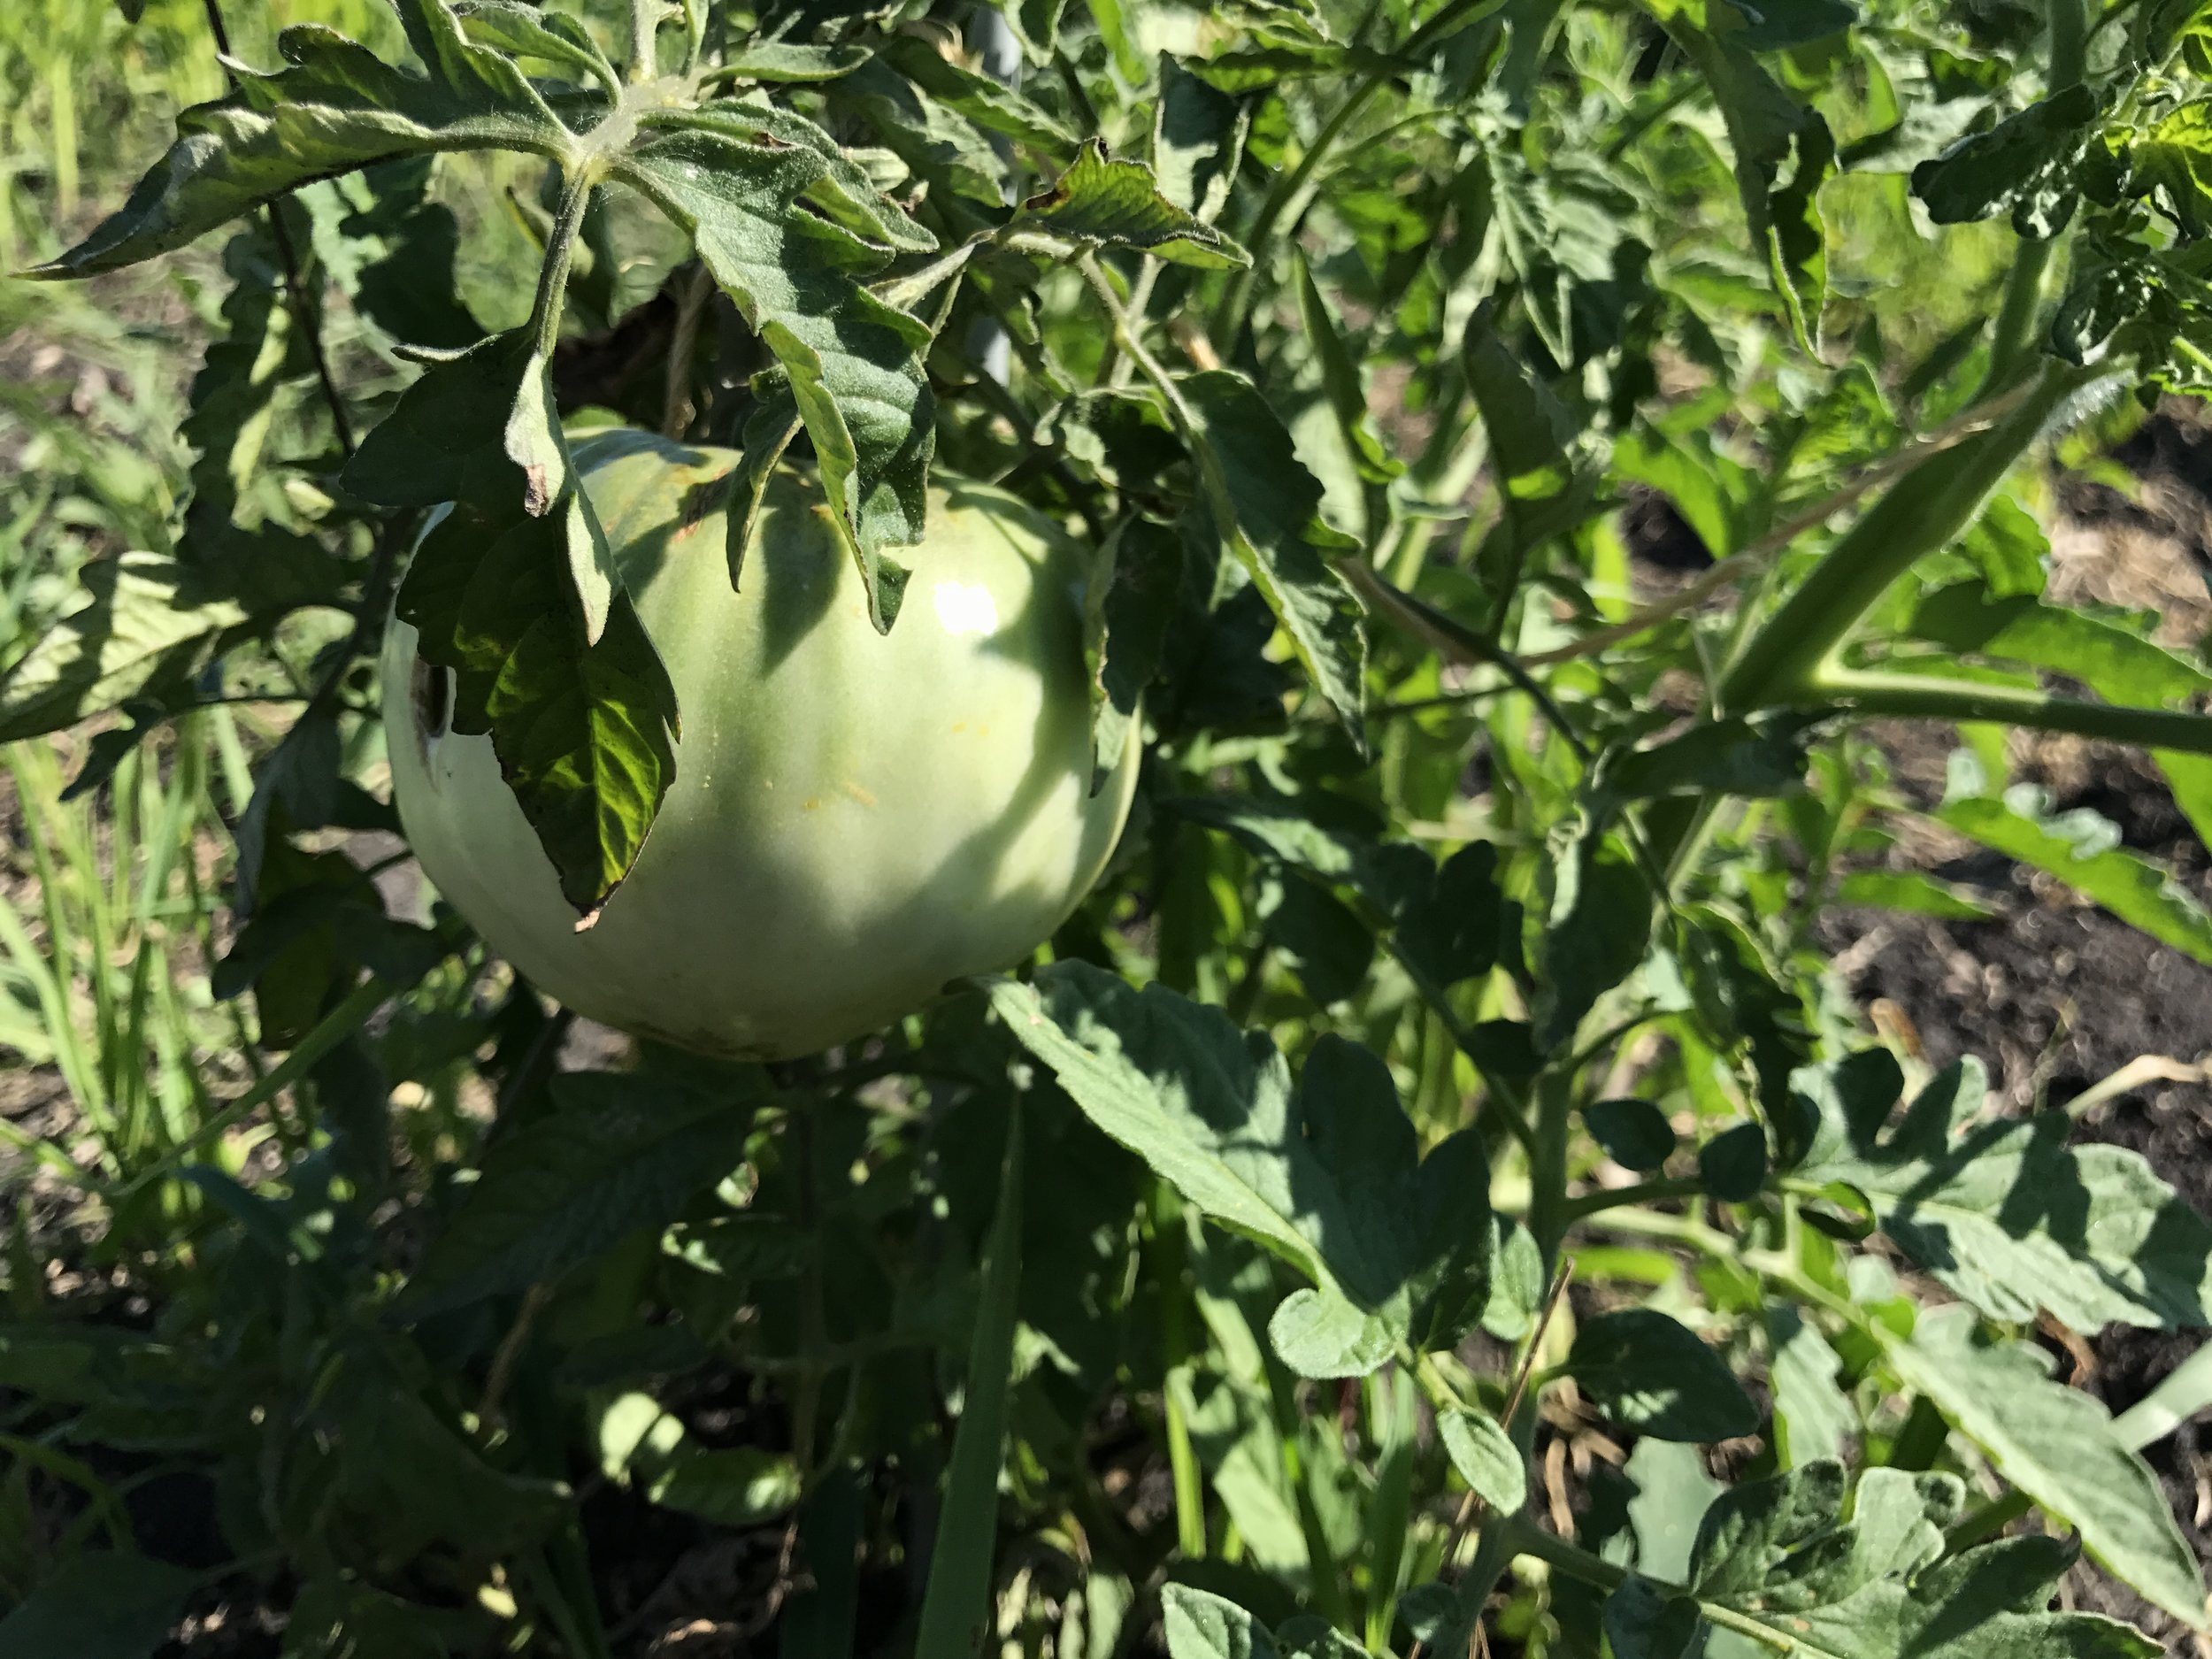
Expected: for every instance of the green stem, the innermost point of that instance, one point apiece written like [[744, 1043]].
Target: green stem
[[2014, 342], [957, 1604], [1987, 1521], [1113, 368], [1920, 513], [560, 252], [1620, 1197], [1915, 696], [1127, 336], [1548, 1211], [916, 285], [1524, 1537], [1172, 1258], [1493, 1554], [2010, 343], [645, 27]]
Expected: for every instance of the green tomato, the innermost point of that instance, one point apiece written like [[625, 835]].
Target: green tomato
[[857, 820]]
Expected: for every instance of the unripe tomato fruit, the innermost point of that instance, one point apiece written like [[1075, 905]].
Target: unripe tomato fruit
[[856, 819]]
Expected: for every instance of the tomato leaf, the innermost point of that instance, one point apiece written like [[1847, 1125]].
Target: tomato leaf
[[1769, 130], [1910, 890], [1103, 202], [943, 151], [480, 428], [2082, 849], [1530, 432], [99, 1604], [1448, 923], [1198, 136], [2173, 163], [1486, 1458], [2119, 665], [2004, 1212], [1323, 1335], [787, 61], [1518, 203], [1757, 757], [337, 1616], [550, 37], [2025, 166], [1813, 1418], [1599, 929], [1327, 1173], [2057, 1445], [1340, 380], [619, 1153], [258, 350], [1200, 1624], [1266, 510], [408, 244], [1648, 1372], [734, 178], [1129, 612], [583, 731], [335, 107], [1635, 1134], [994, 107], [147, 623], [1779, 1553]]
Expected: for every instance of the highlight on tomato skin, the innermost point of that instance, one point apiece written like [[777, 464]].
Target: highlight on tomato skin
[[857, 818]]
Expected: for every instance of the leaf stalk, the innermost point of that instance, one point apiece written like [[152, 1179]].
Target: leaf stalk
[[645, 27], [1916, 696], [560, 252], [1922, 512]]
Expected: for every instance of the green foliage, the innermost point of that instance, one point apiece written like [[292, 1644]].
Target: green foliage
[[1450, 1048], [1776, 1561]]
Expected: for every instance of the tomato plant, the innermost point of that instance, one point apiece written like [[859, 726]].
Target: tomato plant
[[1434, 1186]]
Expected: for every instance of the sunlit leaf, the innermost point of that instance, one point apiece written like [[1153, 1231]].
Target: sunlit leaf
[[1106, 201], [1779, 1555], [335, 107], [2057, 1445], [734, 177], [146, 622], [1325, 1173], [2082, 849], [2003, 1210], [1486, 1458]]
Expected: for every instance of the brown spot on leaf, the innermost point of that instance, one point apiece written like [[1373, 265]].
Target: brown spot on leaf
[[536, 493]]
